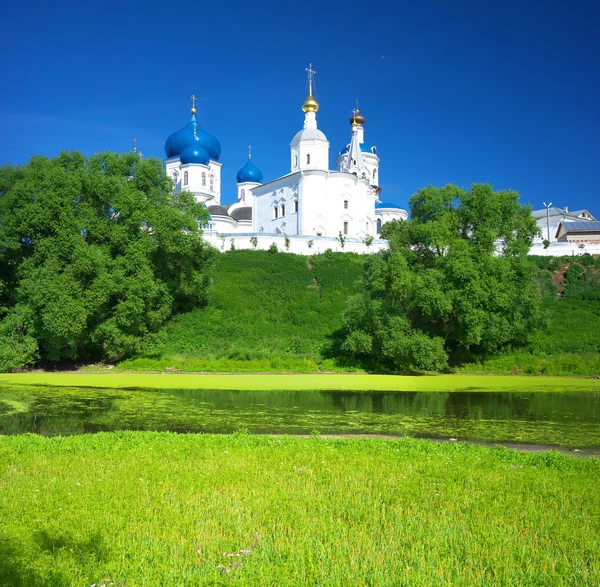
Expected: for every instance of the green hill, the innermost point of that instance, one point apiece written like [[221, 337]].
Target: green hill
[[280, 312], [265, 312]]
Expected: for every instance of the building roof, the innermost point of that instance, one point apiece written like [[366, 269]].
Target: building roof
[[217, 210], [387, 205], [554, 211], [585, 226], [244, 213]]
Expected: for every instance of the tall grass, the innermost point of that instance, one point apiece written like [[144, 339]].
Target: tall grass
[[169, 510]]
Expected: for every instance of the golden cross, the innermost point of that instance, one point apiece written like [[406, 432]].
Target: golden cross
[[249, 151], [193, 97], [134, 145], [311, 73]]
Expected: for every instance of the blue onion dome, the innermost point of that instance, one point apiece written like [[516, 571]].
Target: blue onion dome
[[249, 173], [179, 140], [195, 153], [209, 142], [183, 138]]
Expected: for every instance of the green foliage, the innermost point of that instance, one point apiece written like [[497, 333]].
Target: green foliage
[[440, 291], [265, 312], [286, 242], [254, 241], [273, 249], [95, 255], [570, 344], [298, 511]]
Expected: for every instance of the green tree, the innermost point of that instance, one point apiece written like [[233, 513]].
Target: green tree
[[455, 281], [95, 254]]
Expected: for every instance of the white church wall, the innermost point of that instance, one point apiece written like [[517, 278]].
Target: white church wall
[[349, 206], [276, 196], [300, 245]]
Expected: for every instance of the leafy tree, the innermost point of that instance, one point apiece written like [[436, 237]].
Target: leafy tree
[[454, 283], [95, 254], [254, 241]]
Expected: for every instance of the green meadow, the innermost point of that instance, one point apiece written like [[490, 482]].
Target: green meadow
[[176, 510], [302, 381]]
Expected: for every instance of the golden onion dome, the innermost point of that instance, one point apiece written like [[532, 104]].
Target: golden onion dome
[[357, 119], [310, 104]]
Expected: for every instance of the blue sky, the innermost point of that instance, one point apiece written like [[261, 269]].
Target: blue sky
[[460, 92]]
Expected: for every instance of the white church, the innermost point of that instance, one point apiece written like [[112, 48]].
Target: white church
[[311, 208]]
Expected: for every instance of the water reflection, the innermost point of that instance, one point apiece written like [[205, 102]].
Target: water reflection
[[568, 419]]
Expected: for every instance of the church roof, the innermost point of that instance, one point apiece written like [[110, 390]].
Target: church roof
[[387, 205], [216, 210], [363, 147], [244, 213], [308, 134]]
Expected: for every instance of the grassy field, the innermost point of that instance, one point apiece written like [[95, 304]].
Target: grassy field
[[177, 510], [312, 381]]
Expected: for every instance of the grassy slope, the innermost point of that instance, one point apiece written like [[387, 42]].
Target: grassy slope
[[165, 509], [265, 313], [278, 313]]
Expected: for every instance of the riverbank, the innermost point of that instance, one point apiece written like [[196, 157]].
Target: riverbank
[[302, 381], [164, 509]]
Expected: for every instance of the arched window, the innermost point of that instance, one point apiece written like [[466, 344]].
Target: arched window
[[378, 225], [203, 179], [243, 194], [185, 178], [212, 183], [374, 175], [308, 158]]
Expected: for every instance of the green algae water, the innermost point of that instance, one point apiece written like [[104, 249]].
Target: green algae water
[[567, 419]]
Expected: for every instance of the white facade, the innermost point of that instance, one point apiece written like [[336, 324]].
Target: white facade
[[204, 181]]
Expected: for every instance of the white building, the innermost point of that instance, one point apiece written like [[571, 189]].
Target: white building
[[309, 206], [548, 221]]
